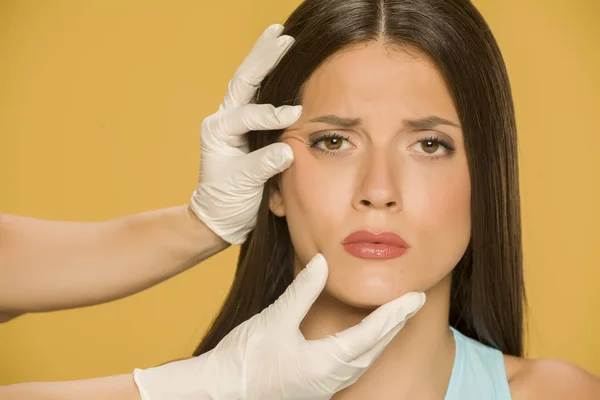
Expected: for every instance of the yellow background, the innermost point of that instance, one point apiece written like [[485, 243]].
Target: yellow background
[[100, 107]]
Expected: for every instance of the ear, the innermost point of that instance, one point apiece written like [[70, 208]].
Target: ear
[[276, 201]]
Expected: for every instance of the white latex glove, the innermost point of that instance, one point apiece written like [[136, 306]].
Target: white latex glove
[[267, 358], [231, 180]]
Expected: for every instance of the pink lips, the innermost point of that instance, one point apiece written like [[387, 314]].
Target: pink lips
[[382, 246]]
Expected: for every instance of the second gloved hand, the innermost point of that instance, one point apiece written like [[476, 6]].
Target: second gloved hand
[[267, 356]]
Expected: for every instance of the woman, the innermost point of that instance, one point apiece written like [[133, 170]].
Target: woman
[[408, 129]]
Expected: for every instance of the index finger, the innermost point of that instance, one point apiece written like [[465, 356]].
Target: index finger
[[373, 332], [264, 56]]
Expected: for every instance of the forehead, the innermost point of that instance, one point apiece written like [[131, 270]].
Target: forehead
[[377, 79]]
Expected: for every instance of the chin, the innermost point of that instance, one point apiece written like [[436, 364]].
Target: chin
[[365, 293]]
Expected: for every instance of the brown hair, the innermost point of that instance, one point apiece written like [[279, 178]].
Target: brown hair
[[487, 293]]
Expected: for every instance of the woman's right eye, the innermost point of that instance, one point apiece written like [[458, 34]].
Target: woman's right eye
[[330, 143]]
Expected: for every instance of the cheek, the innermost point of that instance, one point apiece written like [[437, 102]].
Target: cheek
[[437, 205], [438, 198], [316, 192]]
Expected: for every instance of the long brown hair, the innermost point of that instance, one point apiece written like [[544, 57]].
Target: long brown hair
[[487, 293]]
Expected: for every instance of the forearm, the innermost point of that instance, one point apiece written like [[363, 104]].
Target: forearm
[[47, 265], [119, 387]]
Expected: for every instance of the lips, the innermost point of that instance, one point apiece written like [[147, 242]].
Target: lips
[[382, 246]]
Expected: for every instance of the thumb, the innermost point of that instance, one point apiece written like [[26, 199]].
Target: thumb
[[304, 290], [262, 164], [372, 334]]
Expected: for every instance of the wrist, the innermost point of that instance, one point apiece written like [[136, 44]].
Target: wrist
[[200, 236], [226, 218], [205, 377]]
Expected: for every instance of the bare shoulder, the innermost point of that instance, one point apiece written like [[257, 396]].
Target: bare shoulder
[[549, 379]]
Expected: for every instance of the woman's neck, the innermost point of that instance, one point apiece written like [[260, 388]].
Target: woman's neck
[[418, 361]]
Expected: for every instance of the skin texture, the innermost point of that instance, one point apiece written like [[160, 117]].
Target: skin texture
[[117, 387], [381, 174], [97, 261], [381, 178]]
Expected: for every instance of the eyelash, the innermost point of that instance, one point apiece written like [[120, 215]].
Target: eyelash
[[437, 140], [329, 135], [433, 139]]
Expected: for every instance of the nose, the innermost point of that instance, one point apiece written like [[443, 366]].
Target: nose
[[378, 185]]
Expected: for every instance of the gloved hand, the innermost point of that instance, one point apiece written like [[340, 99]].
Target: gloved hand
[[267, 357], [231, 180]]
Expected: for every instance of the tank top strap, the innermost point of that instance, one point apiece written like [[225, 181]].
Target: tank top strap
[[478, 372]]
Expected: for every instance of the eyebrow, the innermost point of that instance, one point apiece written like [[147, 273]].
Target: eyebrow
[[428, 122], [421, 123], [338, 121]]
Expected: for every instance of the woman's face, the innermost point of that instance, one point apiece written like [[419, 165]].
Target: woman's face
[[378, 148]]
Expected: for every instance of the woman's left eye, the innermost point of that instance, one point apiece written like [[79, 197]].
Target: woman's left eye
[[330, 143], [433, 147]]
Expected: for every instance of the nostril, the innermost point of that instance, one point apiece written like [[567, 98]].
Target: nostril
[[365, 202], [391, 204]]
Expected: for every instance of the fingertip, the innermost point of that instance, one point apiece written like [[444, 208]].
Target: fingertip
[[316, 261], [281, 155], [285, 156], [421, 298], [274, 29], [411, 303], [297, 111], [287, 152], [283, 147], [288, 113], [317, 266], [285, 41], [413, 298]]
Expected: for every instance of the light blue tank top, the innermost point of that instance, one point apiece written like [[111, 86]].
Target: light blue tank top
[[478, 372]]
